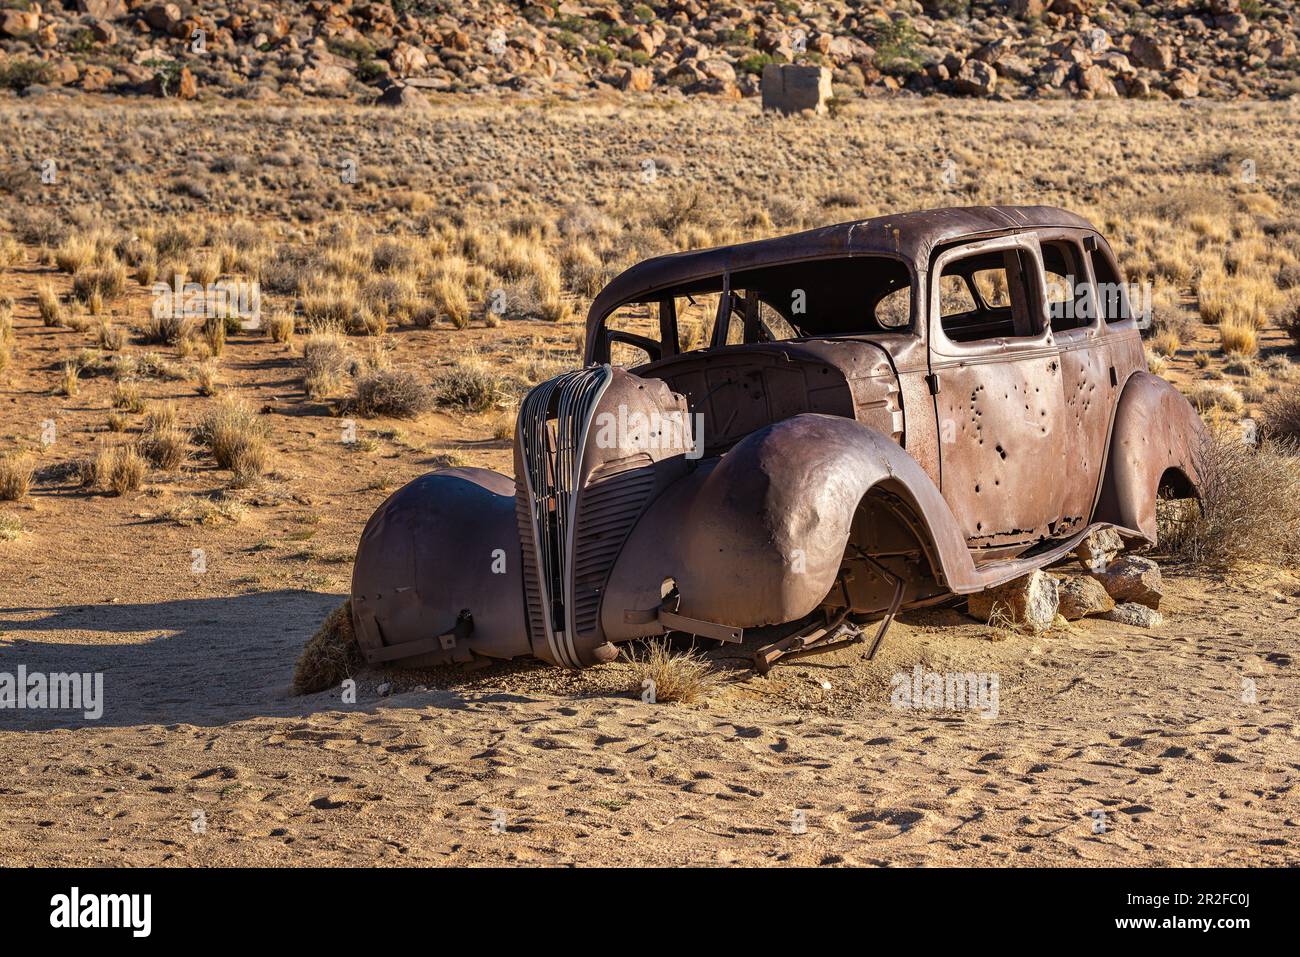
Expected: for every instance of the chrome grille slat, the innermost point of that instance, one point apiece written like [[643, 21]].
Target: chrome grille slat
[[553, 468]]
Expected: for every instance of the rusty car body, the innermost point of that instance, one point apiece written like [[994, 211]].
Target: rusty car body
[[886, 414]]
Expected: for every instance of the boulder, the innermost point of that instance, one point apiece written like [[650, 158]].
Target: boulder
[[1150, 53], [1094, 82], [102, 31], [400, 96], [975, 78], [103, 9], [1099, 549], [162, 16], [407, 60], [95, 78], [1184, 85], [1029, 602], [18, 23], [1080, 596], [1134, 614], [1132, 579], [792, 88], [638, 79]]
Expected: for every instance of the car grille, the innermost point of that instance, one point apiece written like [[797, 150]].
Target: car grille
[[553, 423]]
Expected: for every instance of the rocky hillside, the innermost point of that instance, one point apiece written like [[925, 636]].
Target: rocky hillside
[[281, 49]]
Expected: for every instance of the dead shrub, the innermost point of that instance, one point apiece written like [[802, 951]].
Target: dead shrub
[[469, 385], [235, 436], [330, 656], [15, 476], [164, 443], [326, 359], [99, 284], [119, 468], [47, 302], [1281, 416], [395, 392], [1249, 508], [675, 676]]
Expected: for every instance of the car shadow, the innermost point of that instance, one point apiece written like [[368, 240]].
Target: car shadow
[[200, 661]]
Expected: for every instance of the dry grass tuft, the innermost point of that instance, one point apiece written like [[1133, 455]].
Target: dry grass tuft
[[47, 301], [395, 392], [236, 437], [1249, 508], [1238, 339], [1281, 416], [15, 476], [330, 656], [326, 359], [164, 443], [280, 327], [671, 676], [469, 385], [119, 468]]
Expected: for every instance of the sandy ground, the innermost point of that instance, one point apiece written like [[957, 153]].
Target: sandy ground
[[202, 757], [529, 764]]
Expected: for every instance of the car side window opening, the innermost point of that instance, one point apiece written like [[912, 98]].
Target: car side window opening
[[1111, 293], [999, 301], [852, 295], [1069, 295]]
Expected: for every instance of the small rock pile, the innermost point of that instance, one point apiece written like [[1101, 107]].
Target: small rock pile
[[1003, 49], [1126, 589]]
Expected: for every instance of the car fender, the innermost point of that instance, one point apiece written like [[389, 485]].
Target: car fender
[[437, 576], [757, 536], [1155, 430]]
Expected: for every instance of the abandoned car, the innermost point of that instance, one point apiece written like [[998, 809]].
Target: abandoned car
[[784, 440]]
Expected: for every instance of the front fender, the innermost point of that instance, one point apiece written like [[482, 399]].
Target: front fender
[[1155, 430], [757, 537]]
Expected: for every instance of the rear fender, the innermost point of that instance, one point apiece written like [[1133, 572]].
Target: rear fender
[[757, 537], [1156, 432]]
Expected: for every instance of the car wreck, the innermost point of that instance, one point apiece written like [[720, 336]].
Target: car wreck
[[788, 439]]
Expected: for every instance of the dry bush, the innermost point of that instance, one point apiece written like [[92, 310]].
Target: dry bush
[[280, 327], [118, 468], [330, 656], [70, 384], [448, 298], [164, 443], [47, 301], [1238, 339], [1206, 396], [248, 464], [469, 385], [1281, 416], [236, 437], [395, 392], [680, 677], [101, 284], [1289, 320], [1166, 342], [214, 334], [326, 359], [1249, 507], [111, 338], [11, 252], [15, 476], [76, 253], [11, 527], [166, 330], [209, 378], [127, 397]]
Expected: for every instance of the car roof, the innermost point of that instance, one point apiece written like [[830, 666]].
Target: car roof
[[909, 236]]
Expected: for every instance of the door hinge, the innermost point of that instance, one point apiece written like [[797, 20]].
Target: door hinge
[[932, 380]]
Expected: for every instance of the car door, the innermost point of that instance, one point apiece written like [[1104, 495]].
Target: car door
[[995, 374]]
